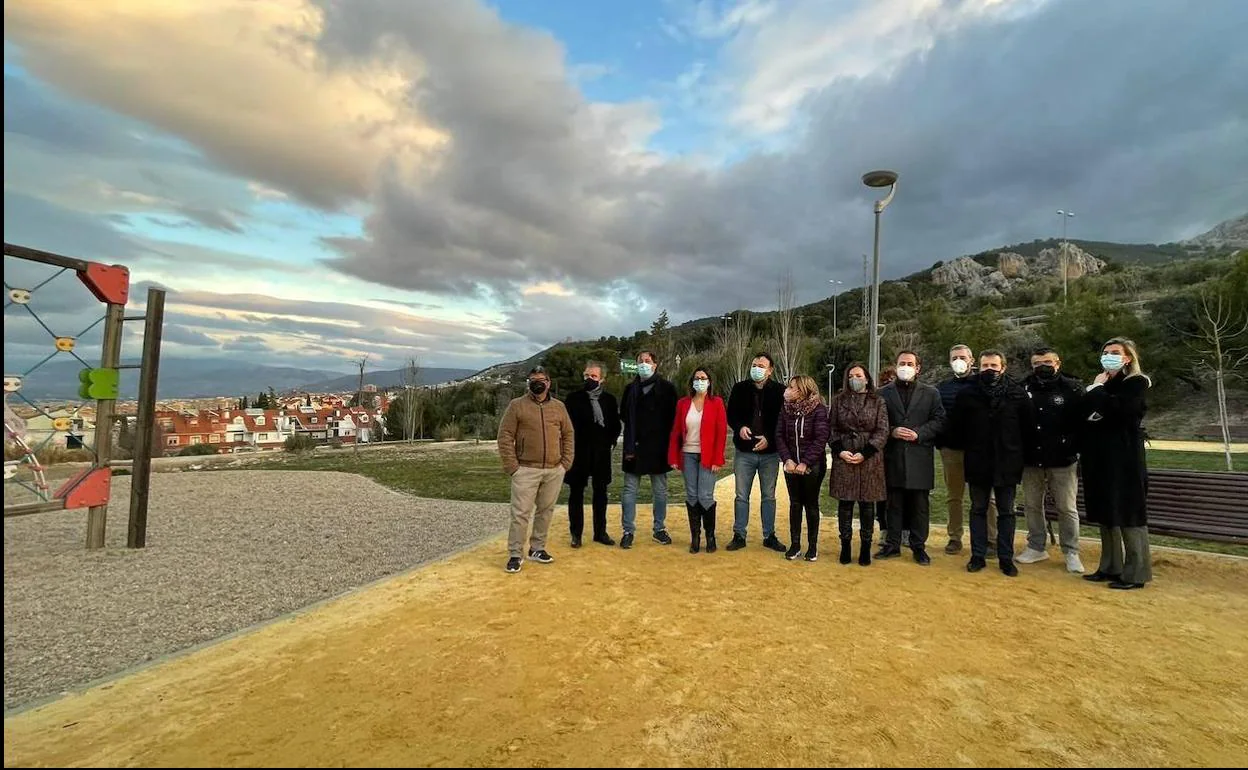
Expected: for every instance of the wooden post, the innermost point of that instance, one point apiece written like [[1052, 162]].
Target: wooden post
[[153, 324], [110, 357]]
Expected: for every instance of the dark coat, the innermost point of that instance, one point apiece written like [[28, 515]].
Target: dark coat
[[647, 419], [990, 428], [912, 464], [949, 390], [859, 424], [1052, 433], [594, 442], [741, 412], [1115, 475], [804, 438]]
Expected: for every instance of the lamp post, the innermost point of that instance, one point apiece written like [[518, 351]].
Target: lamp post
[[831, 368], [1065, 215], [878, 179], [835, 291]]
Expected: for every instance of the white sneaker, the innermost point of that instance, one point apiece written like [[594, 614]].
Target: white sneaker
[[1073, 564], [1030, 556]]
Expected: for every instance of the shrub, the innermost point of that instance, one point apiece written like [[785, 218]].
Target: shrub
[[450, 432], [196, 450], [300, 443]]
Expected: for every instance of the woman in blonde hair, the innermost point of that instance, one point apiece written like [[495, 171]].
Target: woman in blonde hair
[[1115, 476], [801, 435]]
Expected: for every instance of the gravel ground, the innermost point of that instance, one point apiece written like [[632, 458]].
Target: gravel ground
[[225, 550]]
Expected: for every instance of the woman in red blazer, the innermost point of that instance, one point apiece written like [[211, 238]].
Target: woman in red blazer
[[699, 436]]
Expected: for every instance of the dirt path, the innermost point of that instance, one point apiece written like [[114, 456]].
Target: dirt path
[[658, 657]]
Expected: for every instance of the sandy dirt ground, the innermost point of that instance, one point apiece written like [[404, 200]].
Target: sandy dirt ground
[[656, 657]]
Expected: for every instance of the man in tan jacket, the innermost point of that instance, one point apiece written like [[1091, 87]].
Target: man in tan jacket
[[535, 444]]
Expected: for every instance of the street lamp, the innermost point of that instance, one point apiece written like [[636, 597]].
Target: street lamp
[[1065, 215], [831, 368], [877, 179], [834, 283]]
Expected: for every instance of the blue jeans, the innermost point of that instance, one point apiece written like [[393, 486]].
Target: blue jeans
[[744, 466], [628, 501], [699, 482]]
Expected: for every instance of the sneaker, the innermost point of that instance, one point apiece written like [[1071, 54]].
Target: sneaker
[[513, 564], [954, 546], [794, 551], [541, 557], [1008, 569], [737, 543], [626, 541], [774, 544], [812, 555], [920, 556], [662, 537], [1031, 556], [1073, 564]]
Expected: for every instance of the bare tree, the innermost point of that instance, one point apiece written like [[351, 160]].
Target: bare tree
[[362, 362], [1220, 343], [741, 336], [786, 330], [411, 395]]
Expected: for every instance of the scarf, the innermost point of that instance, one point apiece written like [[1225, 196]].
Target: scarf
[[803, 407], [593, 401]]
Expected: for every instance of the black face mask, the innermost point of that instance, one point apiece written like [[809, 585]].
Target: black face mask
[[537, 387], [989, 377], [591, 384], [1046, 371]]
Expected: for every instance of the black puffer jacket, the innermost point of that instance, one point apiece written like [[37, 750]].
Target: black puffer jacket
[[1052, 434]]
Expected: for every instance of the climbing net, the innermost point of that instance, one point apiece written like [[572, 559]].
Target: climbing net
[[23, 444]]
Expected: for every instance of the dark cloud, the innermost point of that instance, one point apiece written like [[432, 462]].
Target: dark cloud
[[181, 335], [246, 344], [991, 131], [37, 224]]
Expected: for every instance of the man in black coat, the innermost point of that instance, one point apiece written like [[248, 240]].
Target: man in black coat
[[1052, 449], [753, 412], [647, 411], [595, 418], [952, 459], [990, 418], [915, 417]]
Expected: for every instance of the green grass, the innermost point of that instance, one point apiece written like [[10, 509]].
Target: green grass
[[473, 474]]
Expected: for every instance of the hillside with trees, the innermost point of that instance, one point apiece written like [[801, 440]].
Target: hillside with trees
[[1186, 305]]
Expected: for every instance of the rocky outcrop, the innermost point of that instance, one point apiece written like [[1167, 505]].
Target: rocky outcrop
[[964, 277], [1231, 234]]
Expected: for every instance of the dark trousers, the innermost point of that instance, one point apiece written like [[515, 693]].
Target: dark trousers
[[866, 520], [576, 507], [804, 496], [908, 509], [881, 515], [1005, 522]]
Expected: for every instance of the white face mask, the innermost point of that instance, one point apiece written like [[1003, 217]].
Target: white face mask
[[959, 366], [905, 373]]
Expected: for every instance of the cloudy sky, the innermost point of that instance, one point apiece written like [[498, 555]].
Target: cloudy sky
[[468, 182]]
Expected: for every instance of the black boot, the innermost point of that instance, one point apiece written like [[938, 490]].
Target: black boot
[[866, 531], [847, 550], [845, 522], [708, 523], [695, 527]]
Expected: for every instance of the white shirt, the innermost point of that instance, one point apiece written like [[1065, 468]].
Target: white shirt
[[693, 431]]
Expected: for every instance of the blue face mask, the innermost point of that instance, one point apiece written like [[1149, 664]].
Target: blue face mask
[[758, 373], [645, 371], [1111, 362], [701, 386]]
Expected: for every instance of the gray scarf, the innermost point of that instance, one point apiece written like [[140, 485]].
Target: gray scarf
[[593, 401]]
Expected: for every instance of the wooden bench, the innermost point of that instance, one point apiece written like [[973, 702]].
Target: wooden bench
[[1202, 505]]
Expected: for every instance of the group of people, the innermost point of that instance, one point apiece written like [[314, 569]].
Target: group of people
[[875, 446]]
